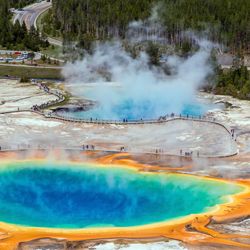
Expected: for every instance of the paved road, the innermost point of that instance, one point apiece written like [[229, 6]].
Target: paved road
[[55, 41], [30, 14]]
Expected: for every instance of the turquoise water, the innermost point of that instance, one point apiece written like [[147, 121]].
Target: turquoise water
[[71, 196], [137, 111]]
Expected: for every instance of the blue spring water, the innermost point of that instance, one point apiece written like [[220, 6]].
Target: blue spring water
[[68, 196], [134, 111]]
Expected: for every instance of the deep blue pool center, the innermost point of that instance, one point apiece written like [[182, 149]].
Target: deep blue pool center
[[69, 195], [128, 110]]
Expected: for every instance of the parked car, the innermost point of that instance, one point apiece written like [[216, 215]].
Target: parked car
[[9, 59]]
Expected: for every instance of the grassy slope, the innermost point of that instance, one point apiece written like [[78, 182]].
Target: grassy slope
[[53, 51], [30, 72]]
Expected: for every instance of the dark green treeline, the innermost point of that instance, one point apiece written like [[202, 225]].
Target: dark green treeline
[[16, 36], [224, 21]]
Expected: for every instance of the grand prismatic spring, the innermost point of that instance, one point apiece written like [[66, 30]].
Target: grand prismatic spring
[[42, 194], [110, 197]]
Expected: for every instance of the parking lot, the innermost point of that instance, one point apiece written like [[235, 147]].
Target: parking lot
[[10, 56]]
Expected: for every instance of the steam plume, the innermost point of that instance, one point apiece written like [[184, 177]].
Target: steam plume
[[148, 89]]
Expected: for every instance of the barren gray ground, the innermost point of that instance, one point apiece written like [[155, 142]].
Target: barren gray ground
[[29, 129], [14, 95]]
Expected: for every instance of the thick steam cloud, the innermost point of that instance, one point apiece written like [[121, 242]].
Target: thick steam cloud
[[138, 90]]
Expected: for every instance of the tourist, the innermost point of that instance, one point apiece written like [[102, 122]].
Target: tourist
[[232, 132]]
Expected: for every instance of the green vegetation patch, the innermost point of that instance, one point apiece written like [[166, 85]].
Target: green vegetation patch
[[53, 51], [234, 82], [30, 72]]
